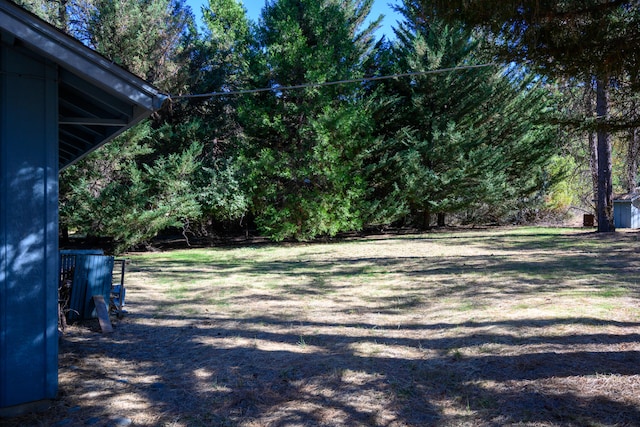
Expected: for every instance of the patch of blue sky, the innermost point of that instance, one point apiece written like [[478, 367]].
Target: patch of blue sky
[[380, 7]]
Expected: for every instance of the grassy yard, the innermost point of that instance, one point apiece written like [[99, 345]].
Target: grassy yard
[[523, 326]]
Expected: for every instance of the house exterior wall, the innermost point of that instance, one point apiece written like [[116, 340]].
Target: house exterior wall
[[625, 214], [28, 227], [622, 214], [635, 217]]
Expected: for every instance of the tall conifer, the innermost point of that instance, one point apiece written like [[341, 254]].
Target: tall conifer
[[303, 146], [587, 39], [455, 140]]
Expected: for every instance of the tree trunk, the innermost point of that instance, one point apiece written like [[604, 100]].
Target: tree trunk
[[605, 184], [441, 219], [63, 17], [64, 230], [592, 144], [426, 218], [593, 165], [632, 160]]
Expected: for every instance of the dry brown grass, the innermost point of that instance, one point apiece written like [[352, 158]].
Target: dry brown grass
[[527, 327]]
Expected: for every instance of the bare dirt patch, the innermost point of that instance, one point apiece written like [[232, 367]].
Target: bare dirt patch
[[527, 327]]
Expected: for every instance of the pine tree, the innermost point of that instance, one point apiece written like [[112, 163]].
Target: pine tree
[[302, 151], [136, 185], [56, 12], [219, 64], [128, 193], [142, 36], [460, 139], [587, 39]]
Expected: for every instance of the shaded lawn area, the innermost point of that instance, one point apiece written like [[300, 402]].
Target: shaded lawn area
[[523, 326]]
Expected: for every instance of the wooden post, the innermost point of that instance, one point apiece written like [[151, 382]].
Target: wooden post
[[103, 314]]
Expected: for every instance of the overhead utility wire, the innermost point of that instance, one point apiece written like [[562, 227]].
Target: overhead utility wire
[[333, 83]]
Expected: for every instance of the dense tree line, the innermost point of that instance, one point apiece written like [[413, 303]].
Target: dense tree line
[[592, 41], [491, 139]]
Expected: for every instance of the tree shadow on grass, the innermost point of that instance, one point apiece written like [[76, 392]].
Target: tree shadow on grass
[[268, 371], [603, 260], [475, 279], [220, 369]]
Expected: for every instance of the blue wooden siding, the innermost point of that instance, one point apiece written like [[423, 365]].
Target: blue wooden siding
[[625, 214], [28, 227]]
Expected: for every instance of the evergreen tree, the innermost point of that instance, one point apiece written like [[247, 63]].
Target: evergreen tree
[[455, 140], [302, 151], [136, 185], [145, 37], [588, 39], [126, 192], [625, 117], [219, 64], [56, 12]]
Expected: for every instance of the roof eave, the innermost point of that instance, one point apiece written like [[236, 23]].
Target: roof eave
[[137, 119], [75, 56]]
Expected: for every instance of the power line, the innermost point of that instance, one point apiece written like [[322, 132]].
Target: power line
[[333, 83]]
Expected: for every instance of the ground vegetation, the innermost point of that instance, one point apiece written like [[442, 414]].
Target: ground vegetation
[[492, 140]]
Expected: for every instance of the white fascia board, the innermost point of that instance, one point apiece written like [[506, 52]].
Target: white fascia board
[[70, 54]]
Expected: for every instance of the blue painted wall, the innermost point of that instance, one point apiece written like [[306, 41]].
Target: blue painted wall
[[28, 227], [625, 214]]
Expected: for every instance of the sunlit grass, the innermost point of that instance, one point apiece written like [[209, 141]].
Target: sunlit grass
[[402, 319], [466, 271]]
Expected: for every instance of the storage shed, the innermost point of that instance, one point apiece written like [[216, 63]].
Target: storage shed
[[626, 211], [59, 100]]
